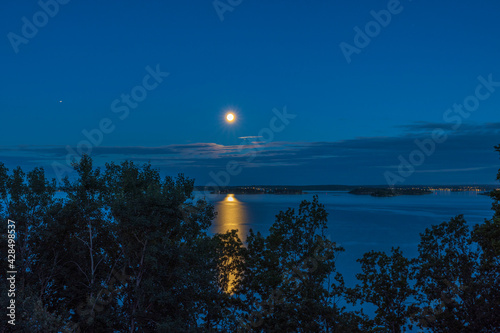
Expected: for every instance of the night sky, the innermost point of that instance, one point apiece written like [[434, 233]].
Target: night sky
[[316, 102]]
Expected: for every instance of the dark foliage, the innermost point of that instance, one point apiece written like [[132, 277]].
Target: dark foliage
[[129, 251]]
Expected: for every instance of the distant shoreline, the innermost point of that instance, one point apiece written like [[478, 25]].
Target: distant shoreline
[[379, 190], [389, 192]]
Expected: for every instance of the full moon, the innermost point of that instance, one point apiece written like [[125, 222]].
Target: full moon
[[230, 117]]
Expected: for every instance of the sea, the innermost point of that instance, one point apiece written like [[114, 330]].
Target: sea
[[358, 223]]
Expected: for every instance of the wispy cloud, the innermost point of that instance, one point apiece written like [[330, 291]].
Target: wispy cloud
[[455, 170], [467, 155], [422, 126]]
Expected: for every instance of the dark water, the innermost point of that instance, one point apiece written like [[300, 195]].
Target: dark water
[[357, 223]]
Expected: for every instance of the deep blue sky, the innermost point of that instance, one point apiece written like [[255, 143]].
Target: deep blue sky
[[353, 120]]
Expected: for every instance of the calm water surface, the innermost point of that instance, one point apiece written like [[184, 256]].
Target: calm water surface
[[357, 223]]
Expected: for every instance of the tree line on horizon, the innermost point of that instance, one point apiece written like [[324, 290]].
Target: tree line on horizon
[[129, 251]]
